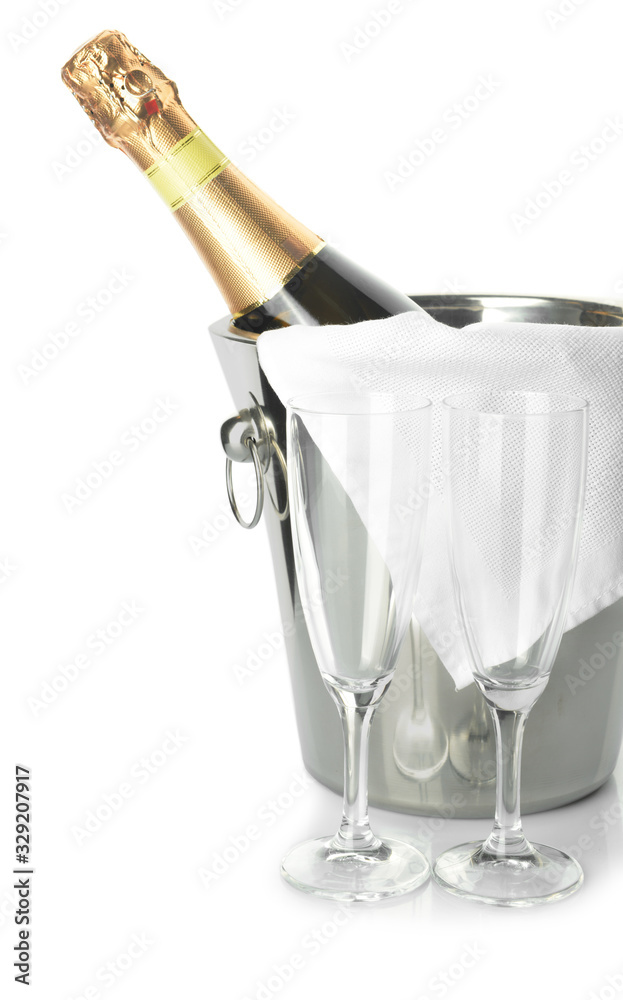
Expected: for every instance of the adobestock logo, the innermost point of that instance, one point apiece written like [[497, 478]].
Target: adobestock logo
[[265, 818], [429, 827], [613, 985], [111, 972], [310, 945], [378, 21], [537, 550], [7, 570], [130, 441], [606, 653], [452, 120], [455, 286], [562, 13], [443, 982], [600, 825], [96, 643], [580, 160], [254, 144], [35, 22], [141, 772], [415, 500], [260, 654], [86, 312], [213, 527], [76, 155], [225, 7], [273, 642]]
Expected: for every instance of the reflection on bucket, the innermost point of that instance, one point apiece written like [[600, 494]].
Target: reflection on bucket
[[420, 741], [472, 744]]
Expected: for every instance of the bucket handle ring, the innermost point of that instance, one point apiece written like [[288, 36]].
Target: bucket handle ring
[[250, 436]]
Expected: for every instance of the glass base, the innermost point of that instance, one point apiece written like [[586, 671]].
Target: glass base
[[318, 867], [544, 876]]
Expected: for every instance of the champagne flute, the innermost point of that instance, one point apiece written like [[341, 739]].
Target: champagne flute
[[516, 467], [357, 472]]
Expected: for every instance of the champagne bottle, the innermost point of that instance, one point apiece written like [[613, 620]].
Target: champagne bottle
[[271, 269]]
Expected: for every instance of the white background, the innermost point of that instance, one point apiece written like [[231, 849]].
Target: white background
[[448, 227]]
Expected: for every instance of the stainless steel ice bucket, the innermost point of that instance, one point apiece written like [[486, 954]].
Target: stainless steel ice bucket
[[432, 749]]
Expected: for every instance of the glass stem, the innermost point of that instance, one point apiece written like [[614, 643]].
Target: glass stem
[[356, 711], [507, 837]]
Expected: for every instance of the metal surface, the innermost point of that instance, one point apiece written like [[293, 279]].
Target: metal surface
[[432, 748], [250, 436], [249, 424]]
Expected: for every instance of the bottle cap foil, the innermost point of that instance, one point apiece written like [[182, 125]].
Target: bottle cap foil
[[118, 87]]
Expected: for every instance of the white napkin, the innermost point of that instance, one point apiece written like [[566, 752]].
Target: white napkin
[[414, 353]]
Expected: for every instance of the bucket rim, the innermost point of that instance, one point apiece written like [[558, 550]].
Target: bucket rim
[[590, 312]]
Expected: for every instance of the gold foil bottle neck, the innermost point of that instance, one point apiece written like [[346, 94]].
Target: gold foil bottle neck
[[250, 244], [117, 87]]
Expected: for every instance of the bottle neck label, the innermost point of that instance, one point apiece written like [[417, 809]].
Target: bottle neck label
[[190, 164]]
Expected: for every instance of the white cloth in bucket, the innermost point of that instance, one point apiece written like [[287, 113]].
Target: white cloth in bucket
[[414, 353]]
